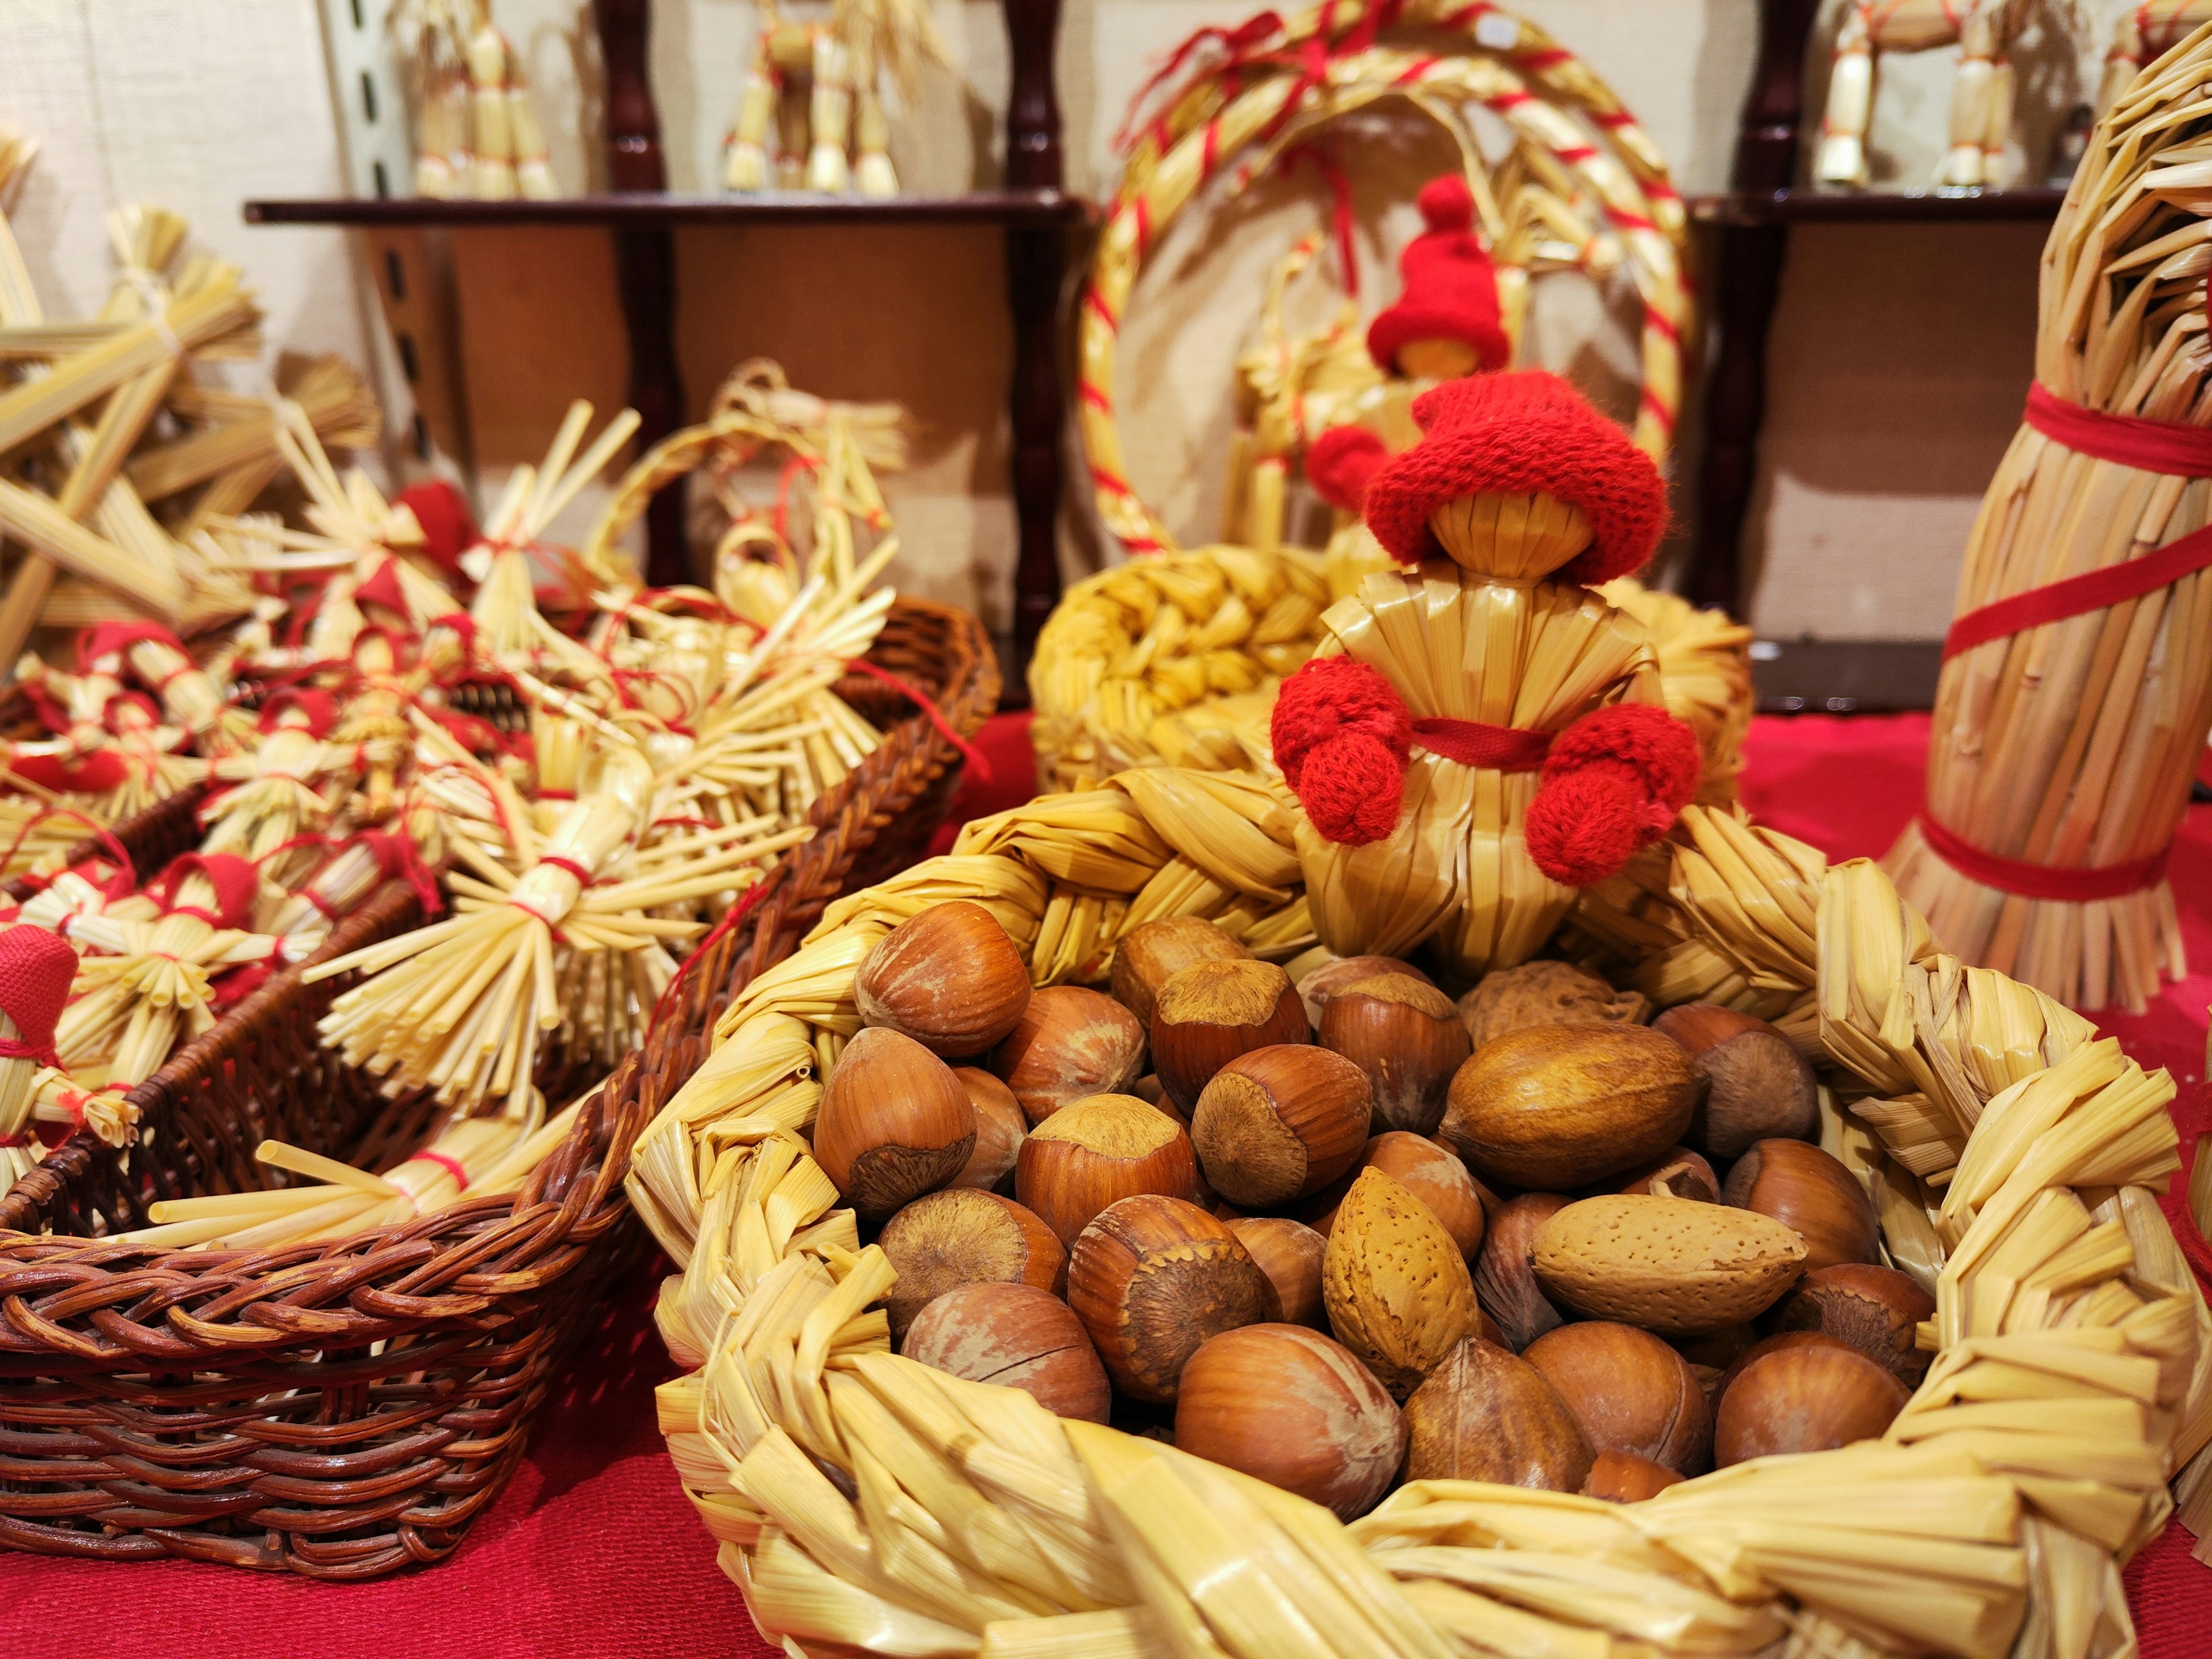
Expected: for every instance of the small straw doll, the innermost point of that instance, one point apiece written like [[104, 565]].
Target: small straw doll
[[1544, 761], [35, 970]]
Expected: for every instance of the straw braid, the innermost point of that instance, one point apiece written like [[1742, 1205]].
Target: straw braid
[[1213, 122], [864, 1498]]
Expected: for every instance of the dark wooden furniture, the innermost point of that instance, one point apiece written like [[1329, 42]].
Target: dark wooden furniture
[[1037, 218], [1750, 229]]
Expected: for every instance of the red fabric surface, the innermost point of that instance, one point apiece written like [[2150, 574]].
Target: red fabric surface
[[594, 1552]]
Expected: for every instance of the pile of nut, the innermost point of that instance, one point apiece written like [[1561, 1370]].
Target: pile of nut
[[1346, 1232]]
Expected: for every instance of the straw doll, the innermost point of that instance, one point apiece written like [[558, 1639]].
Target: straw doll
[[35, 970], [1471, 744]]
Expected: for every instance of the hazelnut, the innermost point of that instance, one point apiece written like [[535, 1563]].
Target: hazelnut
[[1290, 1253], [1211, 1013], [1768, 1345], [1096, 1151], [1151, 1279], [1758, 1086], [1877, 1310], [1287, 1405], [1396, 1287], [944, 1240], [1278, 1123], [1504, 1273], [894, 1124], [1150, 955], [1556, 1106], [1801, 1187], [1678, 1173], [1405, 1034], [1068, 1044], [1485, 1414], [1625, 1478], [1319, 984], [1017, 1336], [999, 1128], [1422, 1169], [1811, 1397], [1629, 1391], [949, 977], [1545, 993]]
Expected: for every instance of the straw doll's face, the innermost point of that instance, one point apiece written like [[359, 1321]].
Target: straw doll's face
[[1437, 360], [1513, 538]]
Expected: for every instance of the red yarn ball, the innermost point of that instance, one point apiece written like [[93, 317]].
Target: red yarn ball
[[1341, 734], [1340, 463]]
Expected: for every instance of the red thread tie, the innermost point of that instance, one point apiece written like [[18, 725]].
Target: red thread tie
[[1473, 743], [2066, 883], [968, 752], [16, 1048], [451, 1166], [570, 864]]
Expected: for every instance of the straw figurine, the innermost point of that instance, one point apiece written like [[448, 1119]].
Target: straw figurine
[[35, 970], [1543, 766], [811, 113], [476, 132], [2076, 688]]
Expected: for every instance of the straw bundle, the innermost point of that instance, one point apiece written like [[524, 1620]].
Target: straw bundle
[[865, 1501], [237, 454], [2065, 736]]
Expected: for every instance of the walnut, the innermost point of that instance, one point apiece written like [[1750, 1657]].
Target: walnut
[[1546, 994]]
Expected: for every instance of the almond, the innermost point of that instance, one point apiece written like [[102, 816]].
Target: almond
[[1668, 1265], [1395, 1285]]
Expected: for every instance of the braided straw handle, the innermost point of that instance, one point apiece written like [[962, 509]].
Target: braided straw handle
[[1212, 122], [678, 453], [864, 1500]]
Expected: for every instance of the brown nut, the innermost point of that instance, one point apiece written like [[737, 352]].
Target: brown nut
[[1278, 1123], [1290, 1253], [1770, 1344], [1097, 1152], [1000, 1130], [1151, 1279], [1666, 1264], [894, 1124], [1405, 1034], [1758, 1086], [1545, 993], [1289, 1407], [949, 977], [1396, 1287], [1556, 1106], [1485, 1414], [1318, 985], [1151, 955], [1630, 1392], [1676, 1173], [1422, 1169], [1625, 1478], [944, 1240], [1017, 1336], [1069, 1043], [1804, 1187], [1810, 1398], [1211, 1013], [1505, 1275], [1877, 1310]]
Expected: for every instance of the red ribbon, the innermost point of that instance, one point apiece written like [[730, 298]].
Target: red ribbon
[[1229, 48], [2066, 883], [736, 913], [968, 752], [1341, 225], [2181, 452], [451, 1166], [570, 864], [2078, 595], [1473, 743]]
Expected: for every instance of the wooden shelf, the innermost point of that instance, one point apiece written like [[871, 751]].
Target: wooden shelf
[[662, 211], [1811, 207]]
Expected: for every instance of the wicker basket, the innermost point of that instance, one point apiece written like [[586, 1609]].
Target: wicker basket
[[341, 1410], [862, 1501]]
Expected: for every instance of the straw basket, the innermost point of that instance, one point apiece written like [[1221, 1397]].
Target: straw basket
[[863, 1502], [340, 1410]]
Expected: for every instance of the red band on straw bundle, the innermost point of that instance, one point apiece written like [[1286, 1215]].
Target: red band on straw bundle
[[2076, 596], [451, 1166], [2183, 451], [2067, 884], [1473, 743], [570, 864]]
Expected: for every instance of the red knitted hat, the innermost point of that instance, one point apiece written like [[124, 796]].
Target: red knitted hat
[[1342, 462], [36, 968], [1451, 293], [1512, 434]]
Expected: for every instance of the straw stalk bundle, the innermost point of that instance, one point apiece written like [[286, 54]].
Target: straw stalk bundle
[[2076, 690]]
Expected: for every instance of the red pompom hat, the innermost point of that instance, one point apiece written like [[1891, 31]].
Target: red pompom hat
[[1514, 435], [1451, 293]]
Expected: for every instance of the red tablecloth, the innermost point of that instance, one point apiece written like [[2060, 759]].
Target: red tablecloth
[[592, 1551]]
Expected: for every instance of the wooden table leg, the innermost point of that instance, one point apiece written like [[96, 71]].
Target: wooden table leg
[[1747, 282], [1036, 272]]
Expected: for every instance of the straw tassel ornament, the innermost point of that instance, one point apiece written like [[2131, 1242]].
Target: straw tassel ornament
[[35, 970]]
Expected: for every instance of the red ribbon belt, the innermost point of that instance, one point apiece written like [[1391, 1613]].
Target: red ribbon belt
[[2161, 447], [1471, 743]]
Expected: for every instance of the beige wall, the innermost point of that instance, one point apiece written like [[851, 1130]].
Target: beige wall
[[1899, 355]]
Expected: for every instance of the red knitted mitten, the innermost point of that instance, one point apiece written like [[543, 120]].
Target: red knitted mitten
[[1615, 782], [1339, 463], [1341, 735]]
